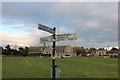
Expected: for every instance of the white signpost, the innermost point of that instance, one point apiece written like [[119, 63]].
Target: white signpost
[[45, 28], [59, 37], [66, 37], [54, 38], [46, 39], [50, 30]]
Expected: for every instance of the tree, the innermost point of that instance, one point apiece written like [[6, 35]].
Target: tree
[[20, 48], [27, 49], [114, 48], [14, 52], [92, 49], [77, 50], [8, 47], [23, 51], [7, 50], [80, 50], [83, 51]]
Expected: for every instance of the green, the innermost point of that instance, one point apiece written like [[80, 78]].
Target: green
[[31, 67]]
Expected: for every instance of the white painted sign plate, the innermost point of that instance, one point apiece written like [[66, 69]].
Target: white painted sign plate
[[59, 37], [46, 39], [45, 28], [66, 37]]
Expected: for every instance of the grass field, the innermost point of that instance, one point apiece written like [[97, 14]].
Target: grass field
[[19, 67]]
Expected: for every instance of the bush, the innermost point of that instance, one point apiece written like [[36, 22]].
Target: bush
[[38, 54], [46, 55], [35, 54]]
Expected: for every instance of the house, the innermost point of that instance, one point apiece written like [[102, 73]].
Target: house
[[106, 54], [93, 53], [99, 52], [88, 54], [61, 51], [40, 50], [64, 51], [114, 53], [36, 49]]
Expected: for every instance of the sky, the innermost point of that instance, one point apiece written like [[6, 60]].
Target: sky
[[95, 23]]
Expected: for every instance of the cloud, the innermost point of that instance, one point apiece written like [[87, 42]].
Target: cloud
[[64, 30], [95, 23], [88, 43], [28, 38]]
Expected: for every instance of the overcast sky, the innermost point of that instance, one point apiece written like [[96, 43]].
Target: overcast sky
[[96, 23]]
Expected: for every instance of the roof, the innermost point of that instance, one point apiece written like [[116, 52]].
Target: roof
[[101, 49], [113, 51], [60, 49], [36, 48]]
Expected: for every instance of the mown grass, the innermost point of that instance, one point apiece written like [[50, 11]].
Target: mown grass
[[19, 67]]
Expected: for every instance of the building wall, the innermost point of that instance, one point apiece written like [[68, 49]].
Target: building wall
[[113, 55], [69, 51], [47, 50], [93, 53], [62, 51], [99, 53], [58, 55]]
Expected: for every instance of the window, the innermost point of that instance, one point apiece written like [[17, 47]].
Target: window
[[68, 52], [57, 54]]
